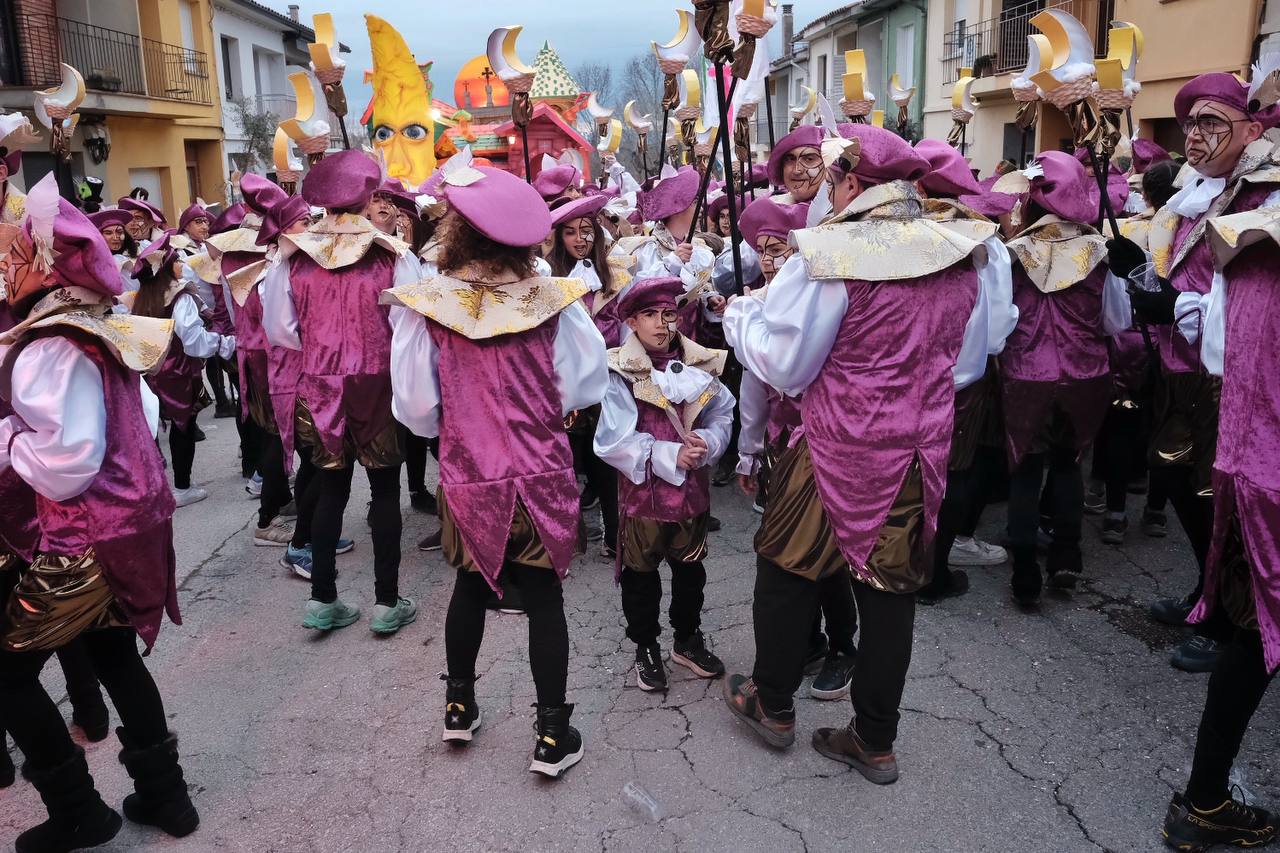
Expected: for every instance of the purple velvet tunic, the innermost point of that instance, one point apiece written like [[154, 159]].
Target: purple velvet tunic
[[126, 513], [1056, 359], [251, 340], [606, 319], [784, 416], [19, 532], [884, 397], [1246, 472], [179, 381], [346, 346], [656, 498], [501, 437], [1194, 274]]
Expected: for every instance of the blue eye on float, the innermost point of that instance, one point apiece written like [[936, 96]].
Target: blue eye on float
[[414, 132], [382, 133]]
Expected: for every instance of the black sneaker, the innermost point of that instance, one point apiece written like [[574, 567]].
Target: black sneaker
[[817, 656], [1064, 569], [559, 745], [1196, 654], [1188, 828], [1095, 499], [197, 434], [1114, 529], [461, 713], [1172, 611], [955, 584], [424, 501], [224, 410], [713, 524], [608, 551], [833, 680], [430, 542], [725, 474], [1026, 584], [1155, 524], [650, 673], [93, 719], [694, 656]]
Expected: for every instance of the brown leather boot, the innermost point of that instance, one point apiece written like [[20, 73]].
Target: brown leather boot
[[845, 745], [743, 700]]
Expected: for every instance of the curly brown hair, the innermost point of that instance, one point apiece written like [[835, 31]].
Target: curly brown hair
[[461, 245]]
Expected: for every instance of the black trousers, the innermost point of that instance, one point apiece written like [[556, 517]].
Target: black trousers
[[642, 600], [217, 381], [1064, 501], [182, 447], [837, 609], [548, 631], [334, 492], [963, 492], [306, 489], [785, 604], [1195, 514], [30, 715], [275, 480], [602, 481], [1120, 454], [1236, 688], [416, 449]]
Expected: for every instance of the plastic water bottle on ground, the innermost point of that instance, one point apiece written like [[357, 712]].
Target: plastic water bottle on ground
[[642, 802]]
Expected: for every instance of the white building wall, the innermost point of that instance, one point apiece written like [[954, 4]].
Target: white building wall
[[257, 71]]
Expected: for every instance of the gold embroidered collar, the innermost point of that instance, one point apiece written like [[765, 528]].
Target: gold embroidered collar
[[479, 310], [1055, 254], [242, 239], [339, 240], [1229, 235], [631, 361]]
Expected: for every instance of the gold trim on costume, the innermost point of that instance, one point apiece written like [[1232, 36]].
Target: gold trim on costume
[[56, 600], [479, 311], [340, 240], [631, 361], [1056, 254]]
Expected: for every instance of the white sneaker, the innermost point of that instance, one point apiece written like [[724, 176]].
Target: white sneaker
[[186, 497], [974, 552], [757, 507], [254, 486]]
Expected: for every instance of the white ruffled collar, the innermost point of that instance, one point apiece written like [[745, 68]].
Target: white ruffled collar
[[681, 383], [1196, 195]]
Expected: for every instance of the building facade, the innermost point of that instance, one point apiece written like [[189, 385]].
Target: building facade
[[151, 116], [990, 36]]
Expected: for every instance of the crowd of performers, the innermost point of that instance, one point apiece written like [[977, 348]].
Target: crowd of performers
[[907, 333]]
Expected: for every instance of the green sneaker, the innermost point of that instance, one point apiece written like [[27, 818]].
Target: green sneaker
[[388, 620], [327, 616]]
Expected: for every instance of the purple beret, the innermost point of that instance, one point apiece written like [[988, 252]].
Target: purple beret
[[765, 217], [1146, 154], [551, 183], [502, 207], [342, 181], [399, 196], [949, 175], [647, 293], [114, 216], [259, 193], [13, 161], [281, 215], [808, 134], [144, 207], [229, 219], [565, 209], [670, 196], [884, 155], [191, 214], [990, 204], [1226, 89], [160, 248], [81, 256], [717, 204], [1063, 189]]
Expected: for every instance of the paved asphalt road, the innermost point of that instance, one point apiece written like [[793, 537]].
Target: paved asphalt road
[[1060, 731]]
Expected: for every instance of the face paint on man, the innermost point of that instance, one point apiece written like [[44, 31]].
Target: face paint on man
[[139, 226], [655, 327], [802, 172], [1216, 136]]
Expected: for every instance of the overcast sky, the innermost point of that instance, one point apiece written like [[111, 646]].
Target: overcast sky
[[452, 31]]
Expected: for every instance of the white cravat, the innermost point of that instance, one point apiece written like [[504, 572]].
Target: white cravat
[[1196, 195], [682, 384]]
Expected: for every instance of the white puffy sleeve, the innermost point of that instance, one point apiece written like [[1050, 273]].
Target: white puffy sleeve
[[715, 425], [1189, 309], [197, 341], [581, 365], [408, 270], [150, 406], [57, 436], [753, 412], [786, 338], [279, 316], [996, 277], [1213, 340], [1117, 313], [415, 373], [971, 363], [616, 440]]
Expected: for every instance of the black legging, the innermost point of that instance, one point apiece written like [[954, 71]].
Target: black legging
[[642, 601], [334, 491], [30, 715], [837, 610], [1065, 498], [415, 461], [602, 478], [1236, 688], [307, 493], [548, 630], [1195, 514], [182, 447], [214, 373], [275, 480]]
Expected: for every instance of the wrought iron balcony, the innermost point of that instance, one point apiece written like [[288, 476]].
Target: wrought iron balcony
[[999, 45], [109, 60]]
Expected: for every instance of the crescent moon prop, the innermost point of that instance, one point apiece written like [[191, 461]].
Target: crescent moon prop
[[311, 117], [62, 99], [639, 125], [610, 142], [503, 58], [811, 101], [690, 89], [324, 51], [684, 44]]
